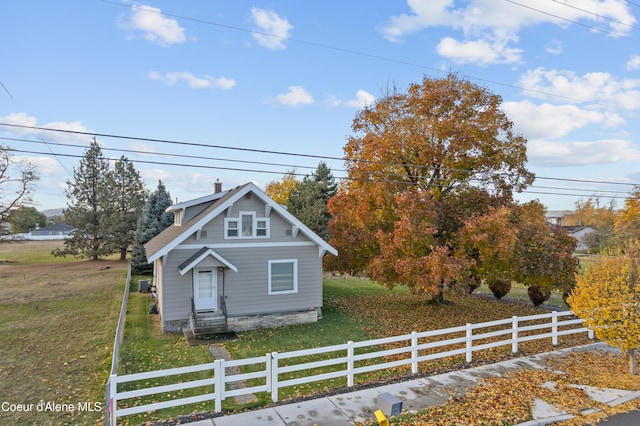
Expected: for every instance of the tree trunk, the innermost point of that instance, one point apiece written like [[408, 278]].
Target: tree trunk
[[123, 253], [632, 361]]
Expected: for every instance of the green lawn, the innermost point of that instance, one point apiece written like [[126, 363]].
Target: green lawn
[[58, 318]]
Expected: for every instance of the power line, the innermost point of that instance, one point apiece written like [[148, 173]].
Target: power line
[[373, 56], [284, 153], [573, 22], [594, 14]]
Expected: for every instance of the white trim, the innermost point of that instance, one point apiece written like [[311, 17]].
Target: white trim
[[200, 258], [240, 229], [241, 192], [218, 246], [295, 276], [214, 289]]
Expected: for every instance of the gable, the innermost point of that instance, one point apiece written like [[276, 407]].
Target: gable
[[248, 197]]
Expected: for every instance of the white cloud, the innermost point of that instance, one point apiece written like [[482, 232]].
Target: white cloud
[[363, 99], [546, 153], [554, 47], [273, 30], [481, 52], [296, 95], [154, 26], [22, 119], [205, 82], [548, 121], [493, 24], [597, 87], [633, 63]]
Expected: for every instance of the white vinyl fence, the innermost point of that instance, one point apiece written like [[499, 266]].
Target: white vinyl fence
[[278, 370]]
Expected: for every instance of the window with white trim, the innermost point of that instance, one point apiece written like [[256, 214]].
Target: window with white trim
[[283, 276], [246, 225]]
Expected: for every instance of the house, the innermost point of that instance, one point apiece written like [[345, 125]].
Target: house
[[580, 233], [236, 260], [55, 231]]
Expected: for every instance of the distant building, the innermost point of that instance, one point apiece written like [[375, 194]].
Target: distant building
[[580, 233], [57, 231]]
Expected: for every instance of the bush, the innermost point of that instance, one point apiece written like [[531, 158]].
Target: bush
[[500, 287], [537, 295], [471, 283]]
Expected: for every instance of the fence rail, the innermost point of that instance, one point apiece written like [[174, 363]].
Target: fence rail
[[278, 370]]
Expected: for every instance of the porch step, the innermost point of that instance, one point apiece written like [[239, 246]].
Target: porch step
[[205, 324]]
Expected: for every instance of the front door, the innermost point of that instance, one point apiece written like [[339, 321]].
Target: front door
[[205, 290]]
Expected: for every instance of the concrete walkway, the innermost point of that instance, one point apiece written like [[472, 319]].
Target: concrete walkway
[[416, 395]]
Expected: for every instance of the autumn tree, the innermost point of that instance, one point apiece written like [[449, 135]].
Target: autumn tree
[[86, 194], [441, 139], [154, 219], [16, 180], [308, 199], [627, 219], [543, 255], [123, 206], [279, 190], [607, 298]]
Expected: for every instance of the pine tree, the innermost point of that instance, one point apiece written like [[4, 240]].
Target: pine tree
[[154, 220], [127, 196], [308, 200], [87, 194]]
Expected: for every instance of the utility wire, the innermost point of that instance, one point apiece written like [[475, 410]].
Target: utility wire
[[373, 56], [594, 14], [260, 151], [199, 166], [573, 22]]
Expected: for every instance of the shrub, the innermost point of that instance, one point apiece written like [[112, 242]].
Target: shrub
[[500, 287], [537, 295]]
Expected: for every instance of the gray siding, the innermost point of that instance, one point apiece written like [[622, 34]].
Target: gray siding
[[245, 292]]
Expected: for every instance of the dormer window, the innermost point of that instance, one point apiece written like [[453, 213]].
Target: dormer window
[[246, 225]]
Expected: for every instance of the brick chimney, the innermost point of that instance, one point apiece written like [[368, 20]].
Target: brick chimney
[[217, 186]]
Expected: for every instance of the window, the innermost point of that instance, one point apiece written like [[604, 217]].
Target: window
[[262, 230], [283, 276], [246, 226], [232, 228]]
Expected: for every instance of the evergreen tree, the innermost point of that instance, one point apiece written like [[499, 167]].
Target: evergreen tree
[[154, 220], [87, 194], [308, 200], [127, 196]]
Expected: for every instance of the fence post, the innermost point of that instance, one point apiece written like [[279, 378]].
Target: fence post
[[274, 376], [112, 401], [591, 334], [218, 369], [469, 342], [514, 335], [554, 328], [414, 352], [267, 371], [350, 355]]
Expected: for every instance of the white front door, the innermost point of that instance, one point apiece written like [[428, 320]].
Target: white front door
[[205, 290]]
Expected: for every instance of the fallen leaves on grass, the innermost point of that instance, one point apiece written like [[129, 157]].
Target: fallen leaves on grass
[[509, 399]]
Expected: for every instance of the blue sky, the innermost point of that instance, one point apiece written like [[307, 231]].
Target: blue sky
[[283, 76]]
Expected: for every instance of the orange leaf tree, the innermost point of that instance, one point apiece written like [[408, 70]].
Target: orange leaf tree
[[419, 164], [607, 298]]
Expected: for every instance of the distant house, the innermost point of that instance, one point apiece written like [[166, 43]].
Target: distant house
[[236, 260], [581, 233], [57, 231]]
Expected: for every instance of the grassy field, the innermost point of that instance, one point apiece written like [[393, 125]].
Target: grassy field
[[58, 318]]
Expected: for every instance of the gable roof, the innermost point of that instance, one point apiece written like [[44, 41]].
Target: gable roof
[[173, 236], [199, 256], [56, 227]]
